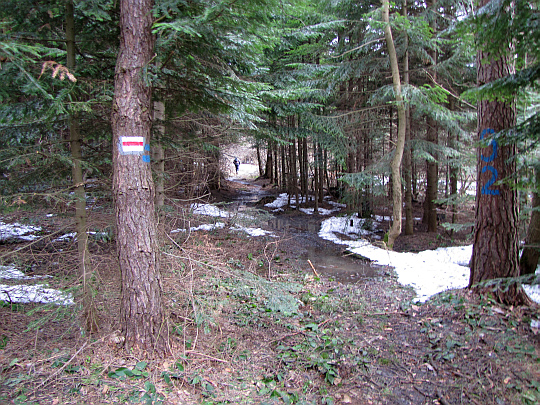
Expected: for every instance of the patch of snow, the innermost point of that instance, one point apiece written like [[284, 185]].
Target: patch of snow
[[279, 202], [336, 204], [348, 225], [252, 231], [533, 291], [67, 236], [429, 272], [17, 231], [204, 227], [11, 273], [209, 210], [39, 293]]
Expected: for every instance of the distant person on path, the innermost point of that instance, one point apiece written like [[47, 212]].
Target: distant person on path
[[236, 164]]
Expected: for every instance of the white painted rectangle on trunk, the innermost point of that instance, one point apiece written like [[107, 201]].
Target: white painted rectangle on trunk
[[132, 144]]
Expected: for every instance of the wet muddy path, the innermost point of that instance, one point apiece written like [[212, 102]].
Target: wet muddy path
[[300, 231]]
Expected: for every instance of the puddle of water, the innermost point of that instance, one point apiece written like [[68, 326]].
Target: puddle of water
[[340, 268], [294, 225]]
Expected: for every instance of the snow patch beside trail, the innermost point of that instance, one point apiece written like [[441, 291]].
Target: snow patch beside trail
[[213, 211], [429, 272]]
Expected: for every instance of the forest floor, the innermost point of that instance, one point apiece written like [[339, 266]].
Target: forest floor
[[251, 322]]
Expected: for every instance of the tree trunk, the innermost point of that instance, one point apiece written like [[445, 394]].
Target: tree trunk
[[259, 160], [432, 172], [141, 312], [407, 157], [395, 230], [531, 251], [269, 172], [454, 170], [158, 155], [283, 177], [90, 321], [322, 169], [432, 180], [495, 248], [316, 176]]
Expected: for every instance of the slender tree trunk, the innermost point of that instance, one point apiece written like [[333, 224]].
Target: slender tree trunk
[[495, 248], [322, 168], [316, 169], [305, 153], [283, 176], [269, 173], [454, 169], [531, 252], [141, 313], [432, 175], [395, 230], [90, 321], [407, 157], [259, 160], [432, 179]]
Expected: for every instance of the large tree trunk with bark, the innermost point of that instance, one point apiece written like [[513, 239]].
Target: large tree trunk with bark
[[495, 249], [141, 312]]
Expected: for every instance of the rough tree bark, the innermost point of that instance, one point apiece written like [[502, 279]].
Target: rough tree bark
[[395, 229], [158, 154], [141, 311], [495, 248]]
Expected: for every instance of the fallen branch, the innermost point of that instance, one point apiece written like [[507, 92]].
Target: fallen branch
[[313, 268], [205, 355]]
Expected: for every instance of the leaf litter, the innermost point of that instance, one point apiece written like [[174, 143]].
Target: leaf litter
[[251, 322]]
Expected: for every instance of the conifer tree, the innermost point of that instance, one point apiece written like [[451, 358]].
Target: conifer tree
[[495, 249], [142, 317]]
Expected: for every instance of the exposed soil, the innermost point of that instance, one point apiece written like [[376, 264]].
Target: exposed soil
[[251, 322]]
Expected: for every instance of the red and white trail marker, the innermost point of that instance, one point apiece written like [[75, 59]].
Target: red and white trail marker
[[132, 144]]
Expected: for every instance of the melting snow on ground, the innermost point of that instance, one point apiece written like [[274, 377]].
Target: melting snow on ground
[[429, 272], [17, 231], [213, 211], [29, 293]]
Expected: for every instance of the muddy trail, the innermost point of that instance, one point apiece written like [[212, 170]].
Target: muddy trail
[[300, 230], [287, 318]]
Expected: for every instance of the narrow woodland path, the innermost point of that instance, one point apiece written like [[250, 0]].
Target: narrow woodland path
[[301, 232]]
